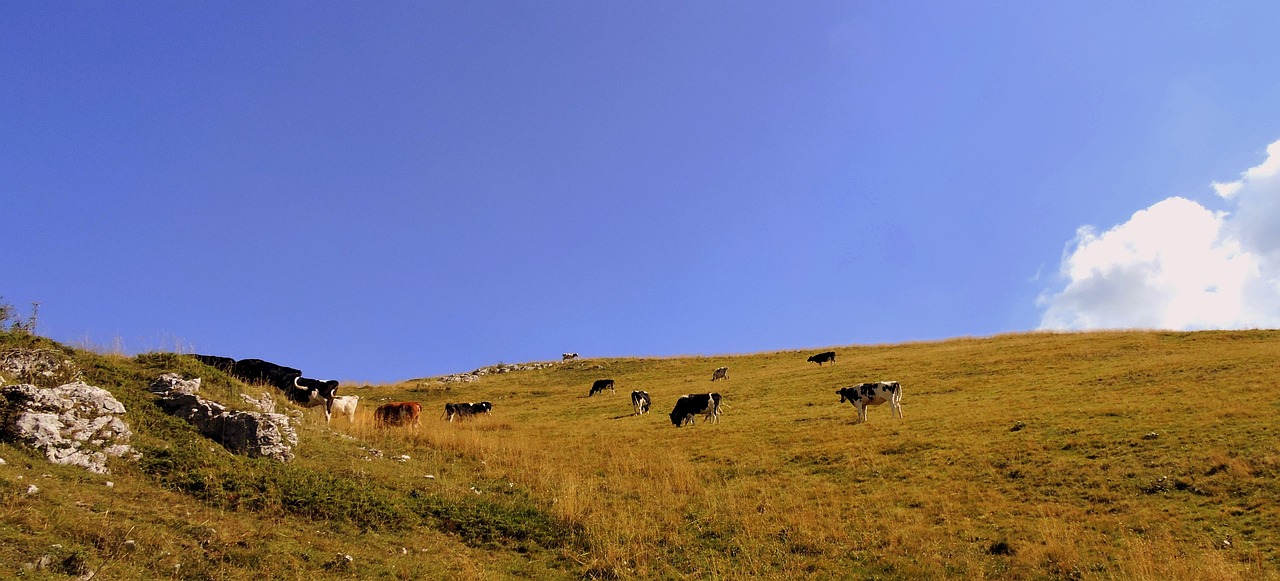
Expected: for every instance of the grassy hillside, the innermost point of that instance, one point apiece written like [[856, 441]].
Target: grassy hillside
[[1040, 456]]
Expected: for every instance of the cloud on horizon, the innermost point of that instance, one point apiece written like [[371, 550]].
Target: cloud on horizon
[[1178, 265]]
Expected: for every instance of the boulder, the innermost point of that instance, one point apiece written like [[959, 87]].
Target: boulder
[[174, 383], [252, 434], [74, 424]]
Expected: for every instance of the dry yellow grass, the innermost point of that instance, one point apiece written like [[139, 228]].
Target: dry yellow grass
[[1120, 455], [1101, 455]]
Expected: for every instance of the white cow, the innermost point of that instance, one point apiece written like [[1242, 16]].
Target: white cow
[[346, 404], [866, 394], [720, 373], [568, 356]]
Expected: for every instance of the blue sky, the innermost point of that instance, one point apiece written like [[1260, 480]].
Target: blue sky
[[380, 191]]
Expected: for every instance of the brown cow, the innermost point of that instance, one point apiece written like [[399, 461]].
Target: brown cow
[[398, 413]]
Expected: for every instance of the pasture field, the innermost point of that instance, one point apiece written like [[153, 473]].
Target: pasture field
[[1114, 455]]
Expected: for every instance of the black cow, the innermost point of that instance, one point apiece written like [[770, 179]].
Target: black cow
[[600, 385], [259, 371], [226, 364], [640, 402], [466, 410], [310, 393], [707, 404], [824, 357]]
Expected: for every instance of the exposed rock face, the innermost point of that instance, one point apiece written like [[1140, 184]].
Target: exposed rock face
[[40, 367], [493, 369], [75, 423], [174, 383], [252, 434]]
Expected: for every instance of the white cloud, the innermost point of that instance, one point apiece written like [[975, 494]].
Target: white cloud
[[1178, 265]]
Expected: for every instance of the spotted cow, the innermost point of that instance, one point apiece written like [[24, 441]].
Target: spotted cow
[[869, 394], [640, 402], [688, 406]]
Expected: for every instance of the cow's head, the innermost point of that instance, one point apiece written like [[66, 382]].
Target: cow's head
[[847, 393]]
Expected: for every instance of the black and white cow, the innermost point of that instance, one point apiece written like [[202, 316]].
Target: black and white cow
[[823, 357], [600, 385], [466, 410], [225, 364], [640, 402], [868, 394], [707, 404], [259, 371], [720, 373], [568, 356], [311, 393]]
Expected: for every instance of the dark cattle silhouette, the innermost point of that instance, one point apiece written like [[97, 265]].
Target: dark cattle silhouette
[[225, 364], [259, 371], [601, 385], [824, 357]]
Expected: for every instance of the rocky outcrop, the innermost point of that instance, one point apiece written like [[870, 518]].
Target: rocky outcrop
[[253, 434], [40, 367], [495, 369], [73, 424]]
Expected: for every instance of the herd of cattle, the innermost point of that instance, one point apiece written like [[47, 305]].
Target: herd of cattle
[[314, 393]]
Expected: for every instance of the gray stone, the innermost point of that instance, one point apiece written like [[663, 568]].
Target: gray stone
[[73, 424], [253, 434], [174, 383]]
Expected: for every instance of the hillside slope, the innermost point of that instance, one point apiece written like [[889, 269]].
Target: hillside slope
[[1098, 455]]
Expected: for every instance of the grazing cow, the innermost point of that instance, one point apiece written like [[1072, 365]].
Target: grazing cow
[[640, 402], [720, 373], [346, 405], [398, 413], [867, 394], [824, 357], [310, 393], [600, 385], [568, 356], [466, 410], [259, 371], [225, 364], [707, 404]]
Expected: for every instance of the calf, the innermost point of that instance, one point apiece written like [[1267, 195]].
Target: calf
[[568, 356], [466, 410], [346, 405], [824, 357], [868, 394], [398, 413], [720, 373], [600, 385], [707, 404], [640, 402], [310, 393]]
